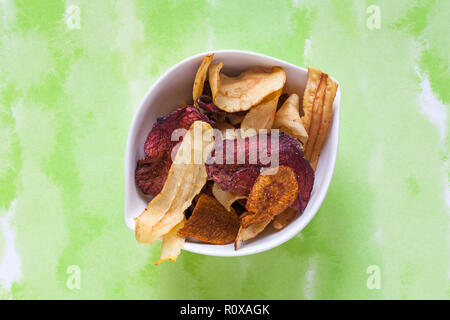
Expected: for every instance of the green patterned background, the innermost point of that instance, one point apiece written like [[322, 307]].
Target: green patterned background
[[67, 97]]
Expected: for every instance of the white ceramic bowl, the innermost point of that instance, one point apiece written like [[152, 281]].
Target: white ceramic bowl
[[174, 88]]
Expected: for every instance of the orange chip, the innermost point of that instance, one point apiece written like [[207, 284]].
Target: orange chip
[[271, 194], [211, 222]]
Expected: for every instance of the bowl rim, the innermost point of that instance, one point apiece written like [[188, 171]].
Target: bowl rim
[[282, 235]]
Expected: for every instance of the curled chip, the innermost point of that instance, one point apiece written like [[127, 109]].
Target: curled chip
[[205, 102], [225, 198], [211, 222], [200, 77], [316, 115], [322, 112], [185, 180], [233, 94], [171, 244], [152, 170], [274, 191], [214, 78], [312, 85], [288, 120], [239, 174], [261, 116], [250, 232]]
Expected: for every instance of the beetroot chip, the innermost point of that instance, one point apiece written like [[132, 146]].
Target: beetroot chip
[[151, 173], [152, 170], [239, 176], [243, 179], [159, 138]]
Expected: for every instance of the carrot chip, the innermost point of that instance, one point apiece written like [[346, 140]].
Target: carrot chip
[[274, 191], [210, 222]]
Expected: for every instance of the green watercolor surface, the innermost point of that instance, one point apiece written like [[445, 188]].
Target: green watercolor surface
[[67, 98]]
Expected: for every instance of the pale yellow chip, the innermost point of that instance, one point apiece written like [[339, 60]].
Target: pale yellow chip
[[260, 116], [248, 89], [316, 117], [250, 232], [312, 84], [161, 203], [186, 178], [200, 77], [318, 109], [225, 198], [325, 122], [288, 120], [183, 200], [214, 78], [172, 243]]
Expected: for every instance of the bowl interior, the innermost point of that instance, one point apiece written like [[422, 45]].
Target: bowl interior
[[174, 89]]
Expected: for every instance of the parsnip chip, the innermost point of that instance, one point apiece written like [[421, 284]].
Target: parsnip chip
[[200, 77], [327, 114], [214, 78], [211, 222], [171, 244], [160, 204], [225, 198], [288, 120], [186, 178], [316, 116], [282, 220], [181, 203], [248, 89], [321, 101], [274, 191], [312, 84], [250, 232], [260, 116]]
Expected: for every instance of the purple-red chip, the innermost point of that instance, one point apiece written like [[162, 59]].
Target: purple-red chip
[[151, 174], [159, 138]]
